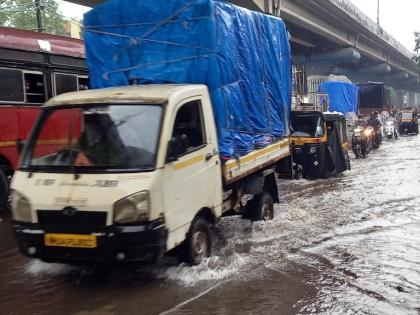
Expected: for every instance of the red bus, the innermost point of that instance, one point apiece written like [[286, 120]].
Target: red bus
[[33, 68]]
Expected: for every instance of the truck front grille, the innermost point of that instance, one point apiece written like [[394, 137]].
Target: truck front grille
[[78, 219]]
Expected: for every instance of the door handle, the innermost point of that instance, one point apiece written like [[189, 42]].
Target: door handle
[[209, 156]]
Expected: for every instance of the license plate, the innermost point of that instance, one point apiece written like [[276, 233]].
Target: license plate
[[70, 240]]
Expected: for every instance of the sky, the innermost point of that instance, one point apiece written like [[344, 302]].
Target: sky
[[72, 10], [399, 18]]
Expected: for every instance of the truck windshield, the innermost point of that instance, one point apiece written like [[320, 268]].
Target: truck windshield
[[115, 137], [307, 126]]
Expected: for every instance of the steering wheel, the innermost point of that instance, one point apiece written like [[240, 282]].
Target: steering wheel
[[64, 155]]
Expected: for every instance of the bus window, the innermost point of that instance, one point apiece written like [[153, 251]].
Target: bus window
[[11, 86], [65, 83], [83, 83], [34, 87], [69, 83]]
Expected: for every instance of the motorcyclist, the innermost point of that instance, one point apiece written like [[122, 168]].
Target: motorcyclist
[[376, 122], [392, 120], [360, 122]]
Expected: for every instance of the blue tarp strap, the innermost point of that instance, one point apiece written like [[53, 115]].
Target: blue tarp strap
[[106, 74], [137, 40], [134, 41], [165, 21], [90, 27]]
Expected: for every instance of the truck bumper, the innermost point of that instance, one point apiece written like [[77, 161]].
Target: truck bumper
[[115, 244]]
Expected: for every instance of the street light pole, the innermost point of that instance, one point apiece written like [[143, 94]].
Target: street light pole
[[377, 20], [39, 15]]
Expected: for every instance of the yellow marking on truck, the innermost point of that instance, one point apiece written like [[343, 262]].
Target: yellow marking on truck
[[181, 165], [256, 154]]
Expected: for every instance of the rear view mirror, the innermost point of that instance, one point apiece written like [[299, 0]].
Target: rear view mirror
[[177, 146]]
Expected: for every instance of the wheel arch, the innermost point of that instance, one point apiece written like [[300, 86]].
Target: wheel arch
[[6, 165], [207, 214], [270, 185]]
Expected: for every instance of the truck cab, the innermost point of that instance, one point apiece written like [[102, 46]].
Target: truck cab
[[135, 168]]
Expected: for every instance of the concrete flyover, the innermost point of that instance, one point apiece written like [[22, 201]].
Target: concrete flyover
[[335, 37]]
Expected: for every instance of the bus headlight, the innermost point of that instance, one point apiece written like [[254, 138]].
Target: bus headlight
[[21, 207], [134, 208]]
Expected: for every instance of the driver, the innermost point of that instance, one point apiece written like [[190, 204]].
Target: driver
[[99, 142]]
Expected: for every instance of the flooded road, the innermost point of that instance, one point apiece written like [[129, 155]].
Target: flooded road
[[346, 245]]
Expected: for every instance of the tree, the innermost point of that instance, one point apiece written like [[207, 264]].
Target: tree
[[417, 48], [22, 14]]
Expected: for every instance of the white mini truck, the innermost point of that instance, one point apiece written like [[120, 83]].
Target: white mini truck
[[134, 173]]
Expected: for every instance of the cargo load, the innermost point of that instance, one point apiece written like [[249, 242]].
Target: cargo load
[[242, 56], [374, 96], [343, 96]]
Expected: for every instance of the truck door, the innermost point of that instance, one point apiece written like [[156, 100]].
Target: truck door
[[193, 180]]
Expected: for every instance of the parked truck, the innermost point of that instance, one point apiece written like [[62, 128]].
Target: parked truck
[[147, 168]]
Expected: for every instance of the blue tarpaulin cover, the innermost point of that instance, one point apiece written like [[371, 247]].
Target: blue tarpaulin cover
[[242, 56], [343, 96]]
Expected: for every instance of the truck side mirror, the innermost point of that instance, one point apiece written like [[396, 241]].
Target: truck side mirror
[[177, 146]]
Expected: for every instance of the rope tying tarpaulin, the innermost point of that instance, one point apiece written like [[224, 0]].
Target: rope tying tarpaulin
[[242, 56]]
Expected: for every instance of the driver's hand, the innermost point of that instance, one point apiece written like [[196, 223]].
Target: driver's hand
[[82, 160]]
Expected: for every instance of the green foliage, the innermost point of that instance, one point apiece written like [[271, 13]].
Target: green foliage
[[22, 14]]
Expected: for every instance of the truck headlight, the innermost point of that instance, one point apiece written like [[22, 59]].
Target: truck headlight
[[21, 207], [134, 208]]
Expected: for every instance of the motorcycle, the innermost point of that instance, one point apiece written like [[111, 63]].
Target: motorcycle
[[375, 122], [390, 129], [362, 141], [377, 138]]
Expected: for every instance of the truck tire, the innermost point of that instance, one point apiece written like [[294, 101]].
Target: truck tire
[[4, 191], [261, 207], [198, 243]]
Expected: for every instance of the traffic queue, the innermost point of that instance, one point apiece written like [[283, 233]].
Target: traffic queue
[[369, 132], [323, 132]]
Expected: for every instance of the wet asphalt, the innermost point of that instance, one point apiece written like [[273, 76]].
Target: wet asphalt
[[345, 245]]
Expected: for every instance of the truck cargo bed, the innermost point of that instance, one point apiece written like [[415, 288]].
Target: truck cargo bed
[[235, 169]]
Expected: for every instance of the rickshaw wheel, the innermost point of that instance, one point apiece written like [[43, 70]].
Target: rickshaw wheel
[[261, 207]]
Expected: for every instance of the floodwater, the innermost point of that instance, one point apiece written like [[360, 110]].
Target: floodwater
[[346, 245]]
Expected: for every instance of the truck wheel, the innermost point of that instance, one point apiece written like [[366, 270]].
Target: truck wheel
[[4, 191], [261, 207], [198, 242]]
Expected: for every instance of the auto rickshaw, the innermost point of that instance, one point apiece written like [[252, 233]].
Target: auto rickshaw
[[408, 122], [319, 143]]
